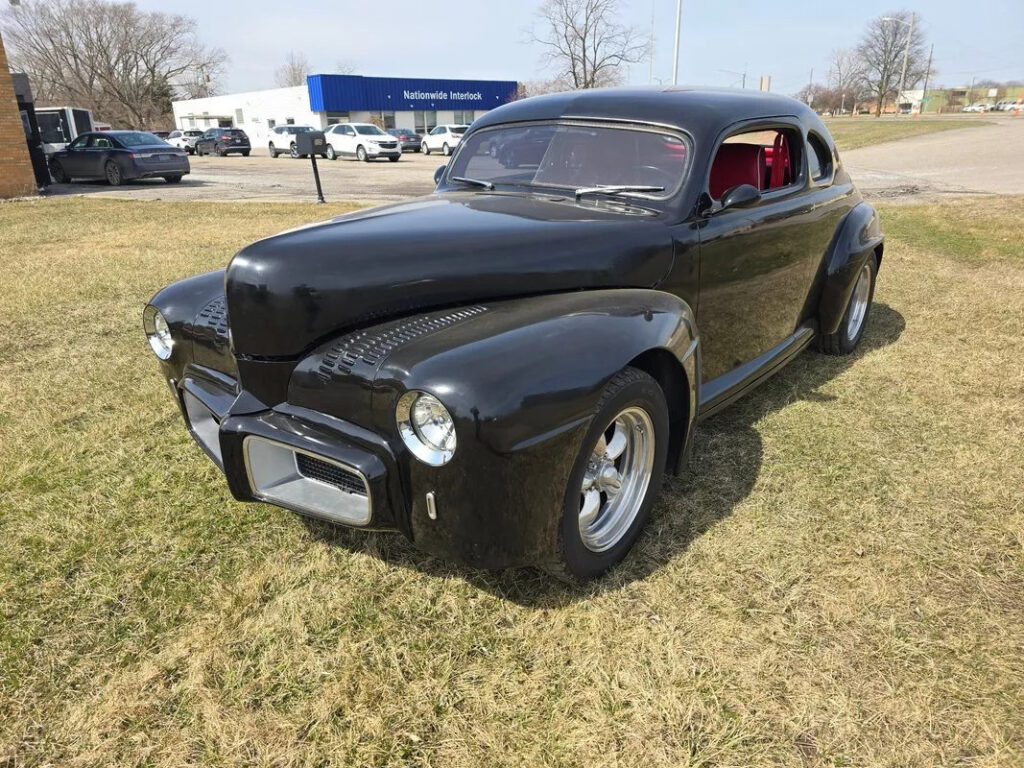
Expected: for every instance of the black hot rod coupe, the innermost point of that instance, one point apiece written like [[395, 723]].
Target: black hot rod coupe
[[503, 370]]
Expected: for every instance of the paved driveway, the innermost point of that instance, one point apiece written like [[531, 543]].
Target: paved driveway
[[978, 160]]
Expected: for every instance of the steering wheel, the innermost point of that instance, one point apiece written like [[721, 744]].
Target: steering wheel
[[662, 178]]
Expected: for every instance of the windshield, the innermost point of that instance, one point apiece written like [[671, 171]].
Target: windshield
[[138, 139], [572, 156], [369, 130]]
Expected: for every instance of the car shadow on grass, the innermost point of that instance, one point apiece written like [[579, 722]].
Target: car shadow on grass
[[724, 466]]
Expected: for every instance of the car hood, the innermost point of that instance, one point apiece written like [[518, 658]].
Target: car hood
[[290, 291]]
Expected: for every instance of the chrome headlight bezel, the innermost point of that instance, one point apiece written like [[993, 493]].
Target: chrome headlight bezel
[[158, 332], [412, 431]]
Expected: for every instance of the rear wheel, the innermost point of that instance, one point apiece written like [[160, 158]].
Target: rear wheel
[[174, 179], [615, 479], [331, 154], [57, 172], [113, 173], [855, 319], [245, 153]]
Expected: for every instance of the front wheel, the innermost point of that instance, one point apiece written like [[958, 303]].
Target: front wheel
[[361, 155], [424, 148], [331, 154], [615, 479], [855, 319], [113, 174], [294, 150], [395, 159], [57, 172], [445, 149], [273, 152]]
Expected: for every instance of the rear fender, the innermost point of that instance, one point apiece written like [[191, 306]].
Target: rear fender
[[859, 235]]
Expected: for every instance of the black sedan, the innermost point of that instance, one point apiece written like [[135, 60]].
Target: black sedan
[[504, 370], [410, 139], [118, 156], [223, 141]]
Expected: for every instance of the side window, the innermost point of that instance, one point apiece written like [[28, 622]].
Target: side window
[[78, 143], [768, 159], [819, 158], [100, 142]]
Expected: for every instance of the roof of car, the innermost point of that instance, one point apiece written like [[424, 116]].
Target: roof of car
[[701, 109]]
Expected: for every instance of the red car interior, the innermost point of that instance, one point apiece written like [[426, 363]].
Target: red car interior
[[764, 167]]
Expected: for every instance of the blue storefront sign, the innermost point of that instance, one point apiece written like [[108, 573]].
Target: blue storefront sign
[[344, 93]]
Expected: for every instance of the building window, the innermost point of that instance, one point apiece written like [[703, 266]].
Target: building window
[[333, 118], [191, 122], [387, 119], [426, 120], [290, 120], [464, 117], [239, 117], [271, 124]]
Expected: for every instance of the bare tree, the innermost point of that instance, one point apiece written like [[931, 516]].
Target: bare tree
[[293, 71], [881, 51], [585, 43], [124, 64], [846, 76], [344, 67]]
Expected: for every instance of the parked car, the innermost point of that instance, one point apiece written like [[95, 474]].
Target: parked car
[[409, 138], [1007, 105], [282, 139], [979, 107], [443, 139], [118, 156], [363, 141], [184, 139], [223, 141], [161, 134], [505, 378]]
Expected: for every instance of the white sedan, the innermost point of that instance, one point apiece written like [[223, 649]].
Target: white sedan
[[363, 141], [443, 139]]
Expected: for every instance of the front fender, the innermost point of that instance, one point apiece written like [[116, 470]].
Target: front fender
[[180, 303], [521, 379], [858, 236]]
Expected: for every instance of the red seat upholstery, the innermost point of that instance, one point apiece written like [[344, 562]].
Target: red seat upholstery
[[780, 175], [736, 164]]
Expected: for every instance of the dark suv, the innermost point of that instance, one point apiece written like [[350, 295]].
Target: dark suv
[[223, 141], [409, 138]]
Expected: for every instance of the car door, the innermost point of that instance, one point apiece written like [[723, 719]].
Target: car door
[[71, 159], [96, 155], [757, 263], [208, 140], [348, 140]]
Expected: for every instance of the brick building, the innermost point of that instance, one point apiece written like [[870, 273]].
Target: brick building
[[16, 176]]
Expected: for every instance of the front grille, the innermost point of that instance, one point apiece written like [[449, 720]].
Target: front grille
[[388, 144], [332, 474]]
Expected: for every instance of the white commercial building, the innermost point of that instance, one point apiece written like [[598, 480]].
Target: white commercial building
[[415, 103]]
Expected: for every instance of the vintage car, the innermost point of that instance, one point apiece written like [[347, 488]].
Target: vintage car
[[504, 370]]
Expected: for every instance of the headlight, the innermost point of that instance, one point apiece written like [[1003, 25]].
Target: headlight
[[426, 428], [157, 331]]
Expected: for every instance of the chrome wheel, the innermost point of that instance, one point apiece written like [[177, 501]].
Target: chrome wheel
[[616, 479], [859, 303]]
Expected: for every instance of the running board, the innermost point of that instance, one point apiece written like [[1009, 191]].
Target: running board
[[722, 391]]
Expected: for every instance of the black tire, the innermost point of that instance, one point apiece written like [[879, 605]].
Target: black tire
[[245, 153], [197, 152], [273, 152], [424, 148], [445, 149], [330, 154], [361, 154], [844, 341], [572, 560], [173, 179], [395, 159], [221, 152], [113, 173], [57, 173], [293, 149]]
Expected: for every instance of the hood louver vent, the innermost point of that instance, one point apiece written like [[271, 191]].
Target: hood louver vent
[[374, 345]]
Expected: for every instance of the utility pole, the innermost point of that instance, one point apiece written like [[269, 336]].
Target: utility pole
[[927, 74], [906, 56], [675, 52]]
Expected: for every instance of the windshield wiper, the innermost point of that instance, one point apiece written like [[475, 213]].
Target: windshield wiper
[[616, 189], [474, 182]]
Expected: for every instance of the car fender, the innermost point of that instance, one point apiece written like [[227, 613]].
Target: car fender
[[180, 303], [857, 237]]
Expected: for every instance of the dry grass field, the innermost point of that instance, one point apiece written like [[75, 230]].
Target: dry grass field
[[863, 131], [839, 580]]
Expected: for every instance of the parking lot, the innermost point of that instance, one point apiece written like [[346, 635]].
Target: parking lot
[[259, 177]]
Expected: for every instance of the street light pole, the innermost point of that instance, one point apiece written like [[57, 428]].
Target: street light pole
[[906, 56], [675, 52]]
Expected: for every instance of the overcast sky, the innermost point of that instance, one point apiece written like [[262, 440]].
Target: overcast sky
[[485, 38]]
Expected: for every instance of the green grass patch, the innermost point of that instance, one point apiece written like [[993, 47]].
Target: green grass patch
[[838, 579], [863, 131]]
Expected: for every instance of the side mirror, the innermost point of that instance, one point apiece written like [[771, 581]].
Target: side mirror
[[741, 196], [439, 173]]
